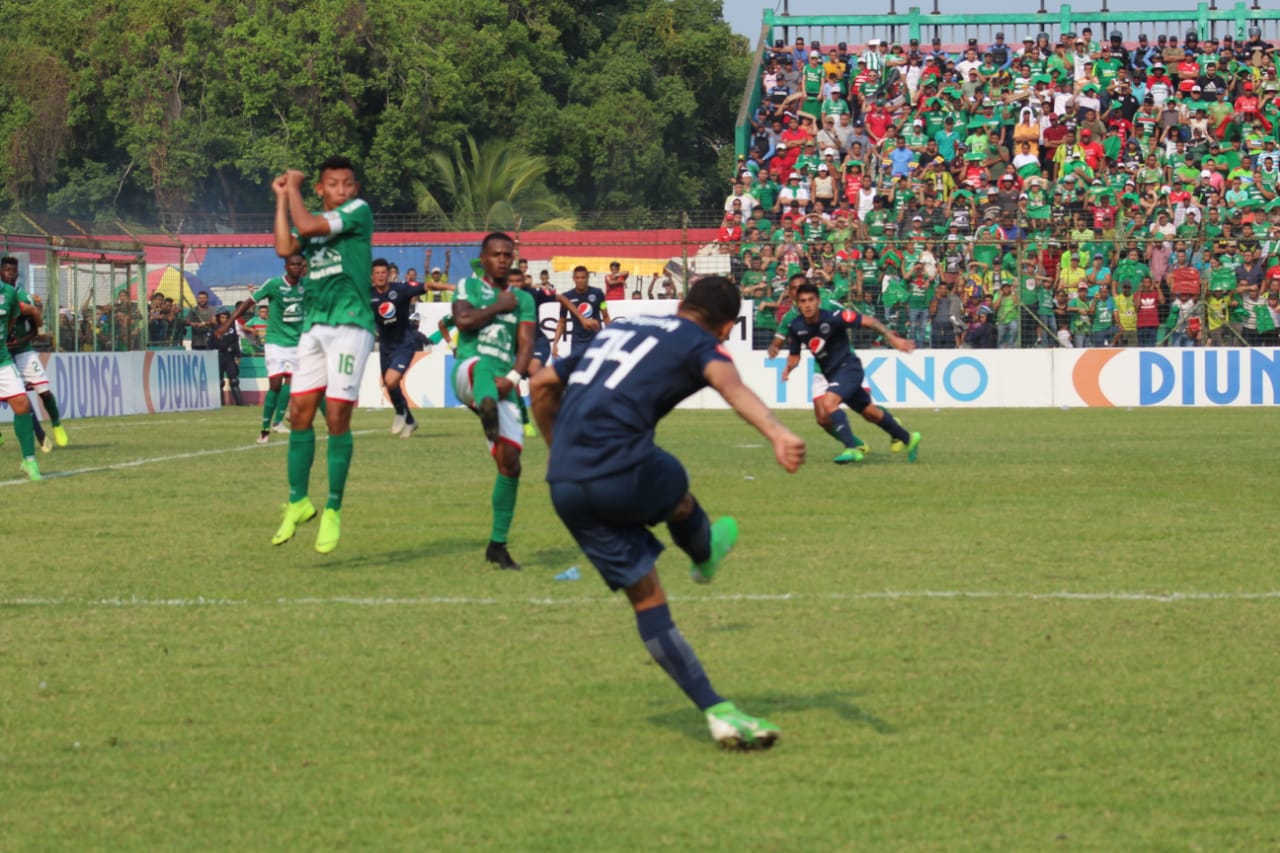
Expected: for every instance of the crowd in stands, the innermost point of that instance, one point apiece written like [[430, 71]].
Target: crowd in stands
[[1018, 194]]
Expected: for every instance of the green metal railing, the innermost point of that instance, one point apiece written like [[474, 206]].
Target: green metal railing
[[955, 30]]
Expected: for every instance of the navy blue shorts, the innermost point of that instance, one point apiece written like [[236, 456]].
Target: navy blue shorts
[[398, 358], [610, 517], [541, 348], [848, 383]]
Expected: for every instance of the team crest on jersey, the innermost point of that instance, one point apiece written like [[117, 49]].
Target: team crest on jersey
[[817, 345], [387, 310], [824, 329]]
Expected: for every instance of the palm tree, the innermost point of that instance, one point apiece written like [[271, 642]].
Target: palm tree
[[494, 185]]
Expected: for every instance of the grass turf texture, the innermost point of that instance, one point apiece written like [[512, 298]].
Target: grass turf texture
[[399, 693]]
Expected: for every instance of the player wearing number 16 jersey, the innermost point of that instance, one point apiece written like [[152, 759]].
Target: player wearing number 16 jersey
[[337, 332], [598, 409]]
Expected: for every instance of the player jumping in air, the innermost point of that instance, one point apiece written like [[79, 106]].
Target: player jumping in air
[[826, 335], [12, 387], [393, 308], [284, 295], [337, 332], [26, 328], [598, 409], [495, 325]]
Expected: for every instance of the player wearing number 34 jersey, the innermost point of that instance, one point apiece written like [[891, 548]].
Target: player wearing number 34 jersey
[[598, 409]]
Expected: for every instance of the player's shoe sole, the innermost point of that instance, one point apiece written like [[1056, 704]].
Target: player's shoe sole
[[330, 530], [913, 449], [298, 512], [851, 454], [397, 424], [60, 436], [264, 437], [46, 444], [733, 729], [409, 429], [31, 469], [724, 535], [497, 553], [488, 410]]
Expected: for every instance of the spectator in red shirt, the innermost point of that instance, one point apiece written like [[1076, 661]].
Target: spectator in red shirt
[[1092, 149], [1247, 103], [615, 281]]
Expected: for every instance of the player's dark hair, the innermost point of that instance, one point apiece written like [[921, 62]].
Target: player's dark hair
[[494, 236], [581, 268], [807, 287], [337, 162], [8, 261], [380, 262], [715, 298], [799, 275]]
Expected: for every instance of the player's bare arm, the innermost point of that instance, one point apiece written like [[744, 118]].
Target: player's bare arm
[[468, 318], [788, 448], [524, 355], [891, 337], [792, 362], [286, 242], [545, 391]]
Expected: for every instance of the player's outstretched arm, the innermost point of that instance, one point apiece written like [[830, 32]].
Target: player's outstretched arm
[[788, 448], [891, 337], [545, 391]]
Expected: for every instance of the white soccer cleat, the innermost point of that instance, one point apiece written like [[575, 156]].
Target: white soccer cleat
[[397, 424], [409, 429], [282, 428]]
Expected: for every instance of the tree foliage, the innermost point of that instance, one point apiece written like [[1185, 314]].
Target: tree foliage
[[159, 108]]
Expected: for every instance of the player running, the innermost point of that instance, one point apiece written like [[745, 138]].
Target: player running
[[495, 325], [589, 312], [825, 334], [25, 329], [337, 332], [393, 307], [12, 387], [284, 295], [836, 424], [598, 409]]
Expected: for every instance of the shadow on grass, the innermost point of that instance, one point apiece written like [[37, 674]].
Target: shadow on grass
[[469, 551], [770, 705]]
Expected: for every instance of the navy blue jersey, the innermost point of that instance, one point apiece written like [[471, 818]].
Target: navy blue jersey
[[617, 389], [589, 304], [827, 338], [392, 310], [542, 295]]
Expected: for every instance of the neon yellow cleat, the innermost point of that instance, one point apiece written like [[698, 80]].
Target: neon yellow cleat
[[330, 529], [60, 436], [298, 512]]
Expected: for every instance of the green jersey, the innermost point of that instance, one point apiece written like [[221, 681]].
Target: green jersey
[[23, 325], [498, 339], [826, 302], [284, 311], [8, 311], [339, 269]]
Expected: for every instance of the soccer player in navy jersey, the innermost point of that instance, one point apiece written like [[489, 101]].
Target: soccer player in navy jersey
[[598, 409], [392, 309], [826, 335], [589, 313]]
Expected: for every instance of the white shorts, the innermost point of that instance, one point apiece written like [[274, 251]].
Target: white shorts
[[11, 384], [510, 427], [281, 361], [31, 370], [331, 359], [818, 386]]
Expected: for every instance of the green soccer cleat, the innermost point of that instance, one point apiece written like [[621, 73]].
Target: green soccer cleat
[[60, 436], [913, 449], [724, 535], [298, 512], [31, 469], [330, 529], [849, 454], [733, 729]]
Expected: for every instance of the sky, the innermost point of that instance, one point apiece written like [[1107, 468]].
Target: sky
[[744, 16]]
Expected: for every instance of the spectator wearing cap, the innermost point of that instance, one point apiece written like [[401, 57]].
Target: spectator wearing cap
[[1160, 86], [1171, 52], [834, 103], [827, 136], [739, 202], [1001, 53], [822, 186], [812, 79], [872, 59], [970, 62]]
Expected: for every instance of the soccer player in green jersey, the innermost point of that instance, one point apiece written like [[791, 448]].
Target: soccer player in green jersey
[[496, 325], [25, 330], [284, 295], [12, 389], [337, 331]]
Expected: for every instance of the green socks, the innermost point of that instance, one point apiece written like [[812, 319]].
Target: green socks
[[22, 427], [282, 404], [302, 452], [340, 450], [51, 406], [269, 408], [504, 505]]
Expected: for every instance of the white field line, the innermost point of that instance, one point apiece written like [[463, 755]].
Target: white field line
[[155, 460], [464, 601]]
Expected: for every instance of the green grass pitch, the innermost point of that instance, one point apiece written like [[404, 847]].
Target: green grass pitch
[[1058, 630]]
